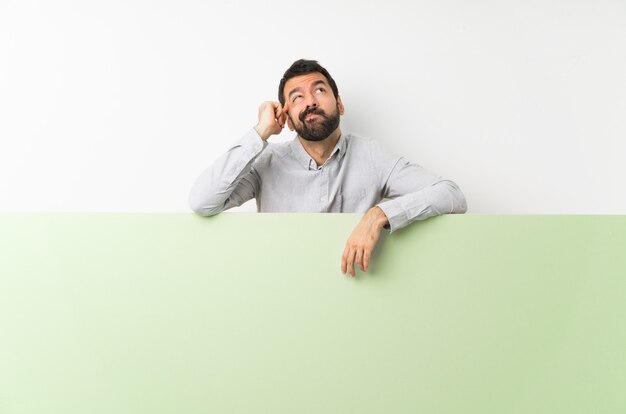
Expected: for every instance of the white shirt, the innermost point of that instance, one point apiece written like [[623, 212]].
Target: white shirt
[[358, 175]]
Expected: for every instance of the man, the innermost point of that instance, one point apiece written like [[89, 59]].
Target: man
[[322, 170]]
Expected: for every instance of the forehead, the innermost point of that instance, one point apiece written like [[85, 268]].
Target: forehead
[[303, 81]]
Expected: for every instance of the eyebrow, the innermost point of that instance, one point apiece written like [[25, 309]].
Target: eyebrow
[[317, 82]]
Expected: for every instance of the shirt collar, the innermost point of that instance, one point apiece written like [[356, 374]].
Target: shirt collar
[[305, 159]]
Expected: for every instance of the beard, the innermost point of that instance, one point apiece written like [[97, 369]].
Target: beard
[[318, 129]]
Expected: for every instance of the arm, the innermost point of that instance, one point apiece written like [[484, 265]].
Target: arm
[[362, 241], [417, 194], [414, 194], [232, 180]]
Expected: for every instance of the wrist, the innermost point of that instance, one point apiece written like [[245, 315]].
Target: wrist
[[378, 217], [263, 133]]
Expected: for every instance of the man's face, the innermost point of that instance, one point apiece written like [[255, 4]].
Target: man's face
[[312, 108]]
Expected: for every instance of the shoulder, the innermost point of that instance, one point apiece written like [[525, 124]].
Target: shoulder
[[278, 148], [372, 148], [272, 151]]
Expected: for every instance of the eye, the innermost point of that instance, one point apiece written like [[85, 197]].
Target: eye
[[296, 98], [320, 89]]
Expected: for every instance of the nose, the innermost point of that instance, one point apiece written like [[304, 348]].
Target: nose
[[311, 101]]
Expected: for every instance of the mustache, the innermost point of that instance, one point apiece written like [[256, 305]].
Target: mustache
[[316, 111]]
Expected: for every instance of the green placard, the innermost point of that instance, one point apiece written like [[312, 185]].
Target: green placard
[[249, 313]]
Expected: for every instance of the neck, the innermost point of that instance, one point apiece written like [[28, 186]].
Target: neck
[[321, 150]]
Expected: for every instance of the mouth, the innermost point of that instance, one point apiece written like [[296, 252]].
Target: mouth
[[314, 114]]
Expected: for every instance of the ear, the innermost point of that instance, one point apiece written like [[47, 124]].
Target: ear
[[289, 124], [340, 105]]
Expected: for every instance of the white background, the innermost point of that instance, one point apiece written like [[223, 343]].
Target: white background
[[119, 105]]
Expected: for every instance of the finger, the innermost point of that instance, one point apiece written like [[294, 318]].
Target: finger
[[280, 117], [285, 112], [359, 258], [351, 262], [344, 260], [366, 260], [268, 106]]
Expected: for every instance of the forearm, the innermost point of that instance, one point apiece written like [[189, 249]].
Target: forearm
[[442, 197]]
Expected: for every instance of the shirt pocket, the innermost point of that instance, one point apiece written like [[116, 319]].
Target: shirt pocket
[[353, 201]]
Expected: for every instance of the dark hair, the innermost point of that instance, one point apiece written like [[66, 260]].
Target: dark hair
[[301, 67]]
